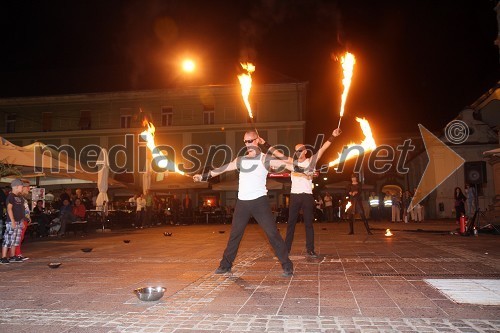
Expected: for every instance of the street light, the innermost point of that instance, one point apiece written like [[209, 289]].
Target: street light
[[188, 65]]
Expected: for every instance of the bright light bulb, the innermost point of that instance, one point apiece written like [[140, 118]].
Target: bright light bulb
[[188, 65]]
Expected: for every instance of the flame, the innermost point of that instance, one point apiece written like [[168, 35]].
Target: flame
[[246, 85], [368, 143], [347, 206], [388, 233], [148, 136], [347, 61]]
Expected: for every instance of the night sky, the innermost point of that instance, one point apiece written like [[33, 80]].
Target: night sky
[[417, 61]]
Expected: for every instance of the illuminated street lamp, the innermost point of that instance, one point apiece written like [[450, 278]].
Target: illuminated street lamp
[[188, 65]]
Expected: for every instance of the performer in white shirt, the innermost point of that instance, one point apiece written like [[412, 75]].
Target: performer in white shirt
[[252, 201], [301, 196]]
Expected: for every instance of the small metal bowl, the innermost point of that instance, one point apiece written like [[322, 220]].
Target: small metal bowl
[[167, 234], [87, 249], [54, 264], [221, 231], [150, 293], [126, 241]]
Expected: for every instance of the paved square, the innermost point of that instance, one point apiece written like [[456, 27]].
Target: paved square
[[358, 283]]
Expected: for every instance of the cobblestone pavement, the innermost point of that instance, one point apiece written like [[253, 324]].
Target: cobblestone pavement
[[358, 283]]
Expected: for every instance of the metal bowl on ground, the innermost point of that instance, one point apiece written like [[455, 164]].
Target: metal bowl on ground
[[221, 231], [126, 241], [167, 233], [87, 249], [150, 293], [54, 264]]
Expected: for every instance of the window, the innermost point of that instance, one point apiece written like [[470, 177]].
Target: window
[[125, 121], [208, 114], [10, 123], [167, 114], [46, 121], [84, 120]]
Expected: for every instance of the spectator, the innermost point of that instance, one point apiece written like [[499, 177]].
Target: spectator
[[328, 207], [13, 228], [459, 203]]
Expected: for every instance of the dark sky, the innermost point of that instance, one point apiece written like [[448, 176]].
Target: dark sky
[[417, 61]]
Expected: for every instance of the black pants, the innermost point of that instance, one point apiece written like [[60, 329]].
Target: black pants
[[306, 202], [261, 211], [358, 208]]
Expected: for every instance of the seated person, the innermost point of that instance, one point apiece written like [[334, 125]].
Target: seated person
[[71, 214], [40, 216]]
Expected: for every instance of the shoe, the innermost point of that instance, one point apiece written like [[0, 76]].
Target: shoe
[[4, 261], [22, 257], [222, 270], [15, 259], [287, 272], [312, 254]]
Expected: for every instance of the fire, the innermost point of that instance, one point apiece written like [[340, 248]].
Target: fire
[[246, 85], [388, 233], [367, 144], [148, 135], [347, 61], [347, 206]]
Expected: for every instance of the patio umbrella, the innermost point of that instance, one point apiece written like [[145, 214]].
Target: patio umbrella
[[146, 177], [102, 177]]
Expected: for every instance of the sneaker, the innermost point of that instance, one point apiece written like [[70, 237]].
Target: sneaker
[[312, 254], [287, 272], [22, 257], [222, 270], [15, 259], [4, 261]]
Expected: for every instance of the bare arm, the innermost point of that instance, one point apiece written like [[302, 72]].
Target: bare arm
[[11, 215], [336, 132], [274, 151], [217, 171]]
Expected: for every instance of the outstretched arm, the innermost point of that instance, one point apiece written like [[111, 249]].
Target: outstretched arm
[[336, 132], [215, 172], [268, 148]]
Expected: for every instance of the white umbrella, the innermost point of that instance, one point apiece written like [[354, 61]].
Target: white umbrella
[[146, 177], [102, 177]]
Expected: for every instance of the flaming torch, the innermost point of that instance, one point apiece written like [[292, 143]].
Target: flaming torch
[[246, 86], [148, 136], [347, 61], [367, 144]]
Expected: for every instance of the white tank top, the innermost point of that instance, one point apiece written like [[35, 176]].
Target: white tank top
[[300, 182], [253, 175]]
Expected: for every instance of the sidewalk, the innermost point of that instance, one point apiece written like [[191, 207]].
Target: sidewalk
[[359, 283]]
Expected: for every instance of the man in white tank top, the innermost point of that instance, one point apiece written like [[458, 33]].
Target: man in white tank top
[[252, 201], [301, 195]]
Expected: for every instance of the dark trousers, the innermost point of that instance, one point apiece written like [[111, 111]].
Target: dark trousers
[[358, 208], [261, 211], [306, 202]]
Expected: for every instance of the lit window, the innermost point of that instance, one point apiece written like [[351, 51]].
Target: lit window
[[208, 115], [167, 114]]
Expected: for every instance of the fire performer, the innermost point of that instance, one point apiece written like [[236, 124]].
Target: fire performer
[[252, 201], [301, 196], [354, 190]]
